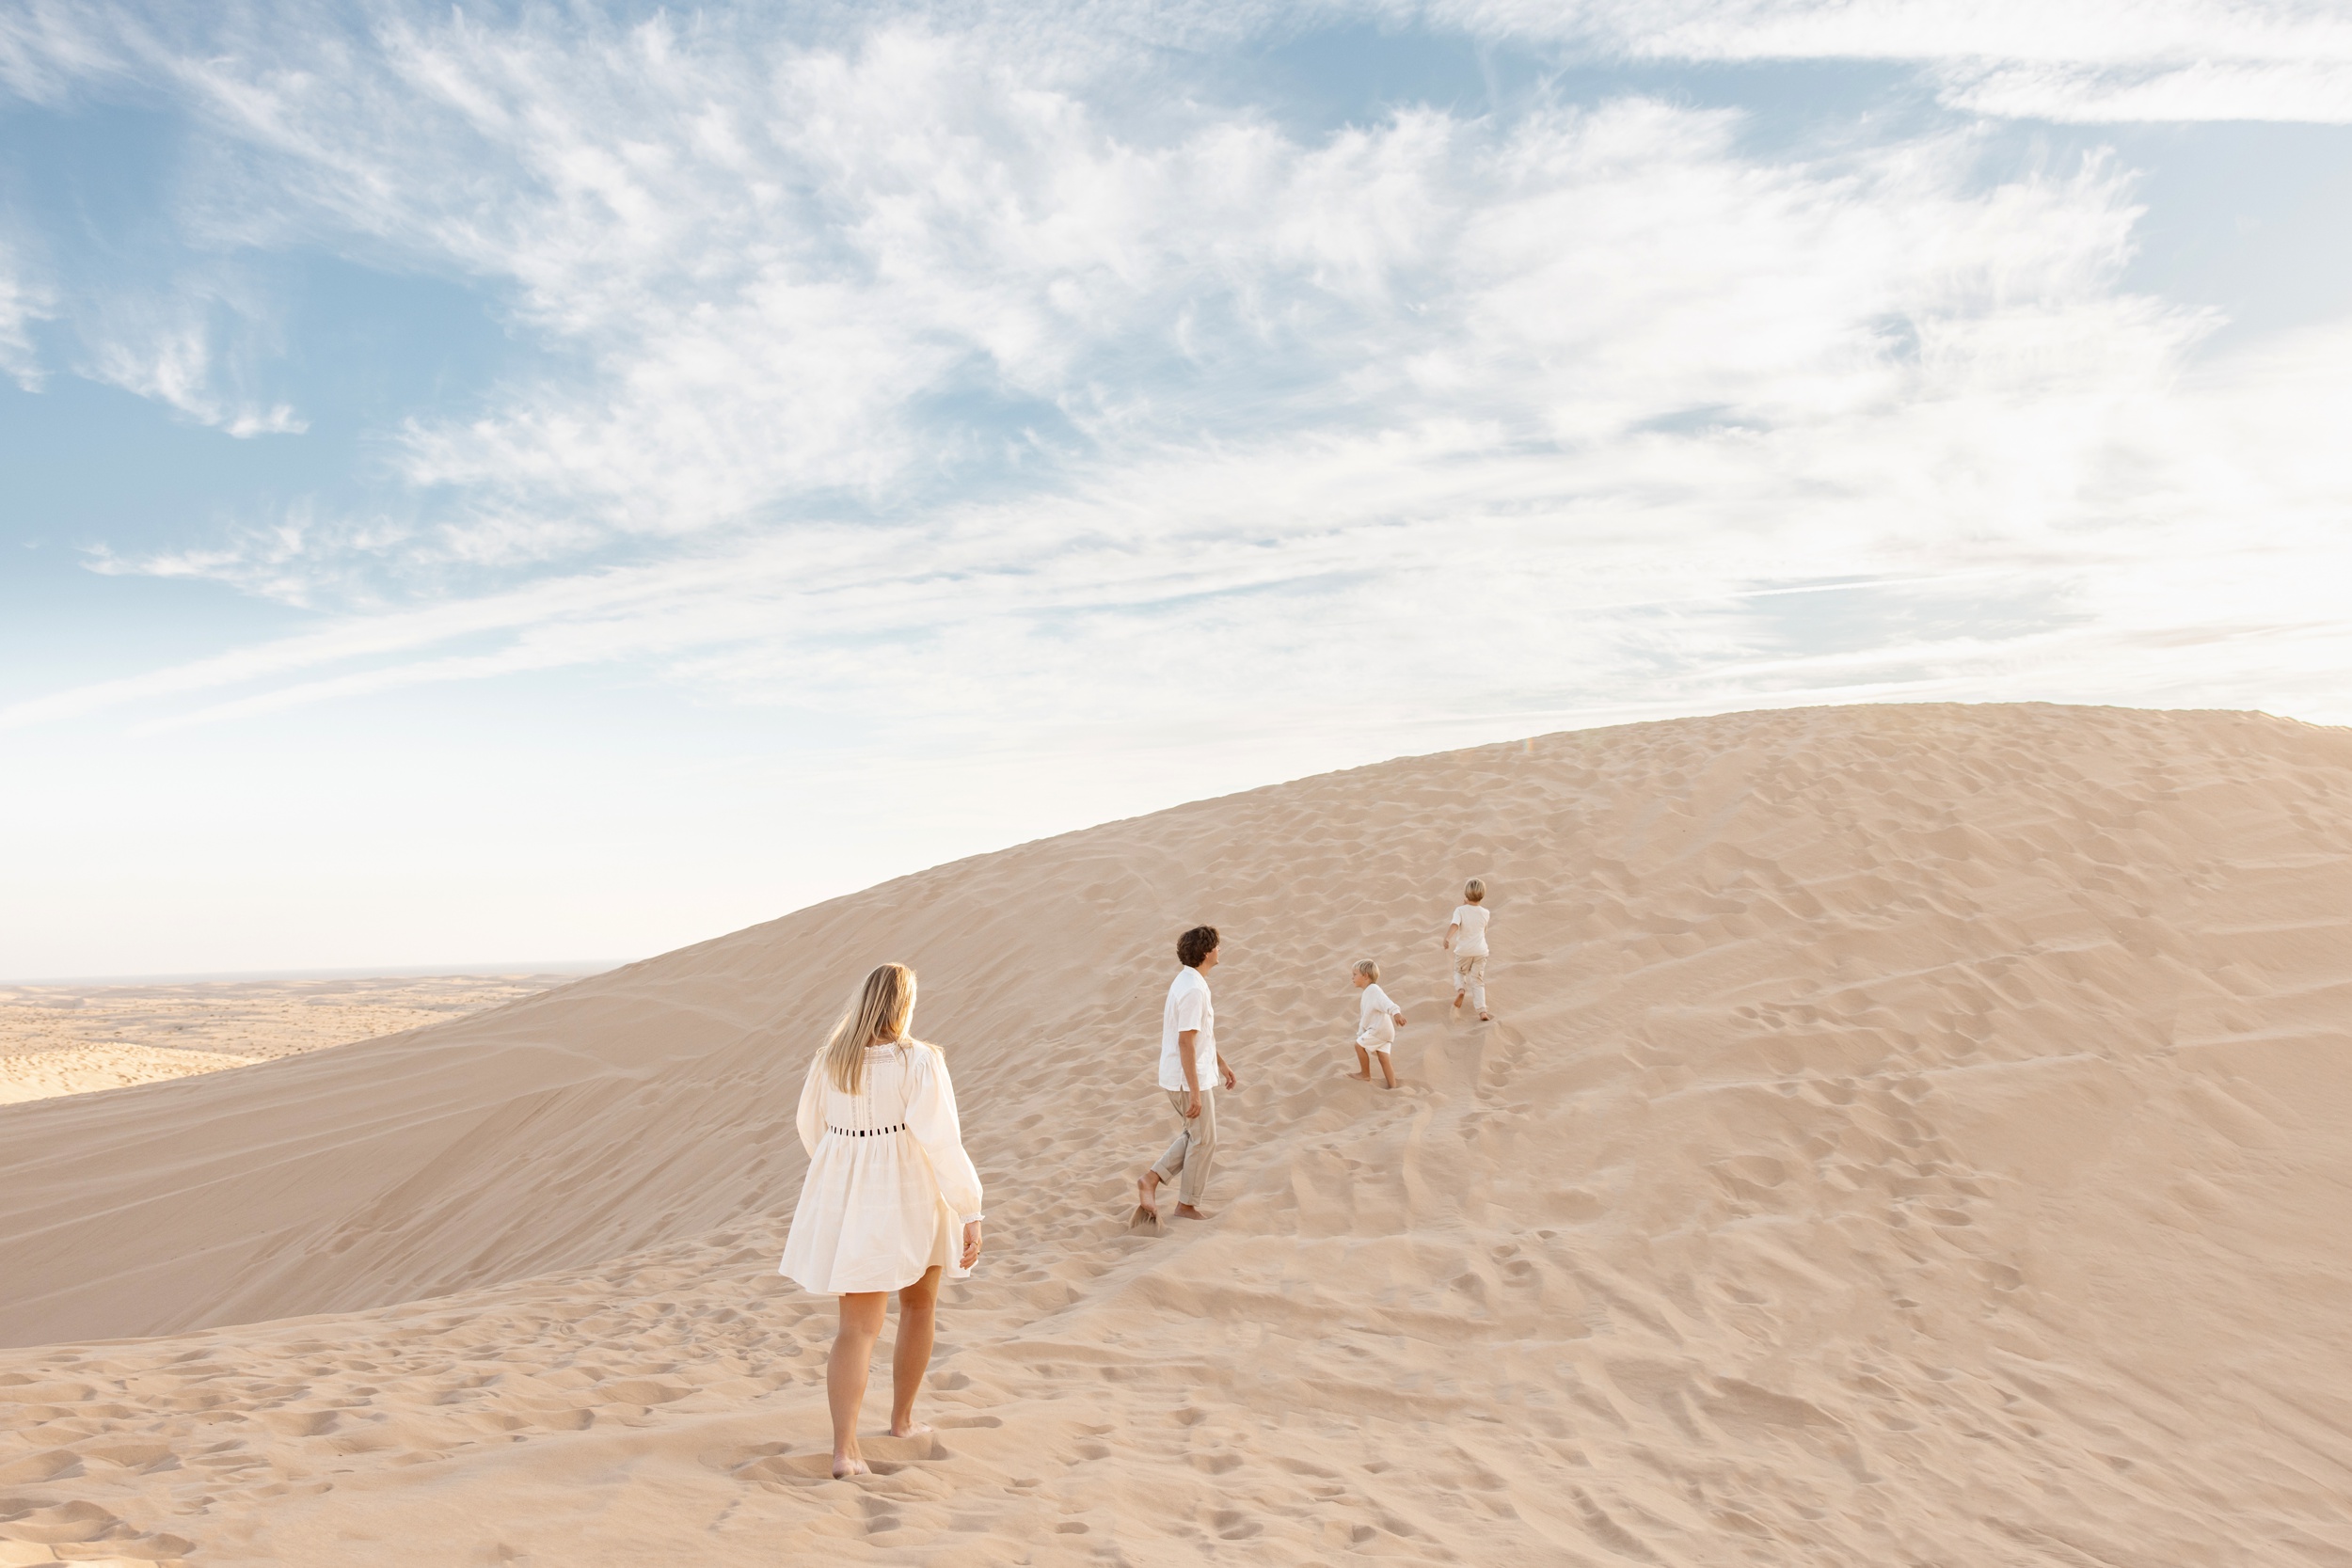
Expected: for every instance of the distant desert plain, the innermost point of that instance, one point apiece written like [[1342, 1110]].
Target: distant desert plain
[[75, 1038], [1908, 1135]]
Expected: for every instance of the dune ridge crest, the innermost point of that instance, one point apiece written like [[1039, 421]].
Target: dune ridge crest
[[1910, 1133]]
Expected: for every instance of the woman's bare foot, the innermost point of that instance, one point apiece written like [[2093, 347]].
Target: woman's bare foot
[[847, 1465], [913, 1429], [1186, 1211]]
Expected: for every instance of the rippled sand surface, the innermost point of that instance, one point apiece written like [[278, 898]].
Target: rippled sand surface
[[1908, 1135]]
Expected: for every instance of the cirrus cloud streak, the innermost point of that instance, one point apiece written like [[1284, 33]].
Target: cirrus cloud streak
[[926, 365]]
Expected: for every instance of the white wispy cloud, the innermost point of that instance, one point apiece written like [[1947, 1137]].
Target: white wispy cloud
[[50, 47], [174, 363], [22, 302], [296, 557], [2312, 90], [2104, 31], [916, 368], [1178, 587], [2099, 61], [781, 266]]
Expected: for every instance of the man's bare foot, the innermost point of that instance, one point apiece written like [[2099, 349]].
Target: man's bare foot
[[1186, 1211], [1148, 1191], [913, 1429], [847, 1465]]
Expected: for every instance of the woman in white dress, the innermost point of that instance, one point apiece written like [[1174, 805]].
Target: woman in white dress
[[890, 1203]]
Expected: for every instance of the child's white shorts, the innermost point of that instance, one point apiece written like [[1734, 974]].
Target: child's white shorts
[[1370, 1042]]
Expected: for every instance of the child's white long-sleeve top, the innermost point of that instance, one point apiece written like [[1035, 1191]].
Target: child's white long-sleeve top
[[1375, 1020]]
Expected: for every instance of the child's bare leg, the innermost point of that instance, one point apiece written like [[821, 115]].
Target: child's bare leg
[[1388, 1070], [918, 1320], [1363, 1066], [845, 1374]]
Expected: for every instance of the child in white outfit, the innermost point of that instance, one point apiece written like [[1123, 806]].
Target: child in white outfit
[[1466, 938], [1378, 1019]]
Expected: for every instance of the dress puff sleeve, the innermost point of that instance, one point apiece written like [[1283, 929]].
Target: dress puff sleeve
[[812, 1117], [931, 1118]]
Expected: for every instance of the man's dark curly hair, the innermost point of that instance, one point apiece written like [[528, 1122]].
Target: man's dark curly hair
[[1195, 945]]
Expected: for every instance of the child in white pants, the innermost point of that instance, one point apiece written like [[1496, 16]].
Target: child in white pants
[[1378, 1019], [1466, 938]]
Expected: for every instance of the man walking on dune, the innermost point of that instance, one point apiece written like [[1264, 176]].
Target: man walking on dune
[[1190, 1067]]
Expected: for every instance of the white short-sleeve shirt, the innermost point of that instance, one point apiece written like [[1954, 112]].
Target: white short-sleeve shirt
[[1472, 918], [1188, 1007]]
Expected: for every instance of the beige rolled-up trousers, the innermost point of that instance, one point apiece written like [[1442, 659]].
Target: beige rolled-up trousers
[[1470, 975], [1194, 1148]]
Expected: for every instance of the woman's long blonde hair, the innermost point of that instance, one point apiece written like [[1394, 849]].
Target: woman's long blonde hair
[[879, 1010]]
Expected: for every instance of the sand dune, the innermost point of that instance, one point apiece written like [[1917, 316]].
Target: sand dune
[[1910, 1135]]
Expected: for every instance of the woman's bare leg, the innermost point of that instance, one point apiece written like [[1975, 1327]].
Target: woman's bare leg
[[844, 1373], [918, 1322]]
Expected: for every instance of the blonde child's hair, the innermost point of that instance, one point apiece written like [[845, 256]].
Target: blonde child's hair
[[1368, 968], [879, 1011], [1474, 891]]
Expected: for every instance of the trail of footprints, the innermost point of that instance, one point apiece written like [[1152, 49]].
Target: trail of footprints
[[1633, 1382], [183, 1427], [703, 1327]]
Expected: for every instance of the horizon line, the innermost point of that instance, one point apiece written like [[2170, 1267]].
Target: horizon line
[[537, 966]]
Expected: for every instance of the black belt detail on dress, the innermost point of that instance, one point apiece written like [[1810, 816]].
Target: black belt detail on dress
[[863, 1132]]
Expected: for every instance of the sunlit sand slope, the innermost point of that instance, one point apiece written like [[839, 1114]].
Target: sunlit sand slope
[[1910, 1135]]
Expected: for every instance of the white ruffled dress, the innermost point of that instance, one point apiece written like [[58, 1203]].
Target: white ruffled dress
[[889, 1186]]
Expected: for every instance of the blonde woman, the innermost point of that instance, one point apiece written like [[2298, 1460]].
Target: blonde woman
[[890, 1203]]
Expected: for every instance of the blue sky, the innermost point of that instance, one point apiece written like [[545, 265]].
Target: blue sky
[[560, 482]]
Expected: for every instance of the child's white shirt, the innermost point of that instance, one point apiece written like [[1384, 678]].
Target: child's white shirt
[[1472, 919], [1375, 1017]]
